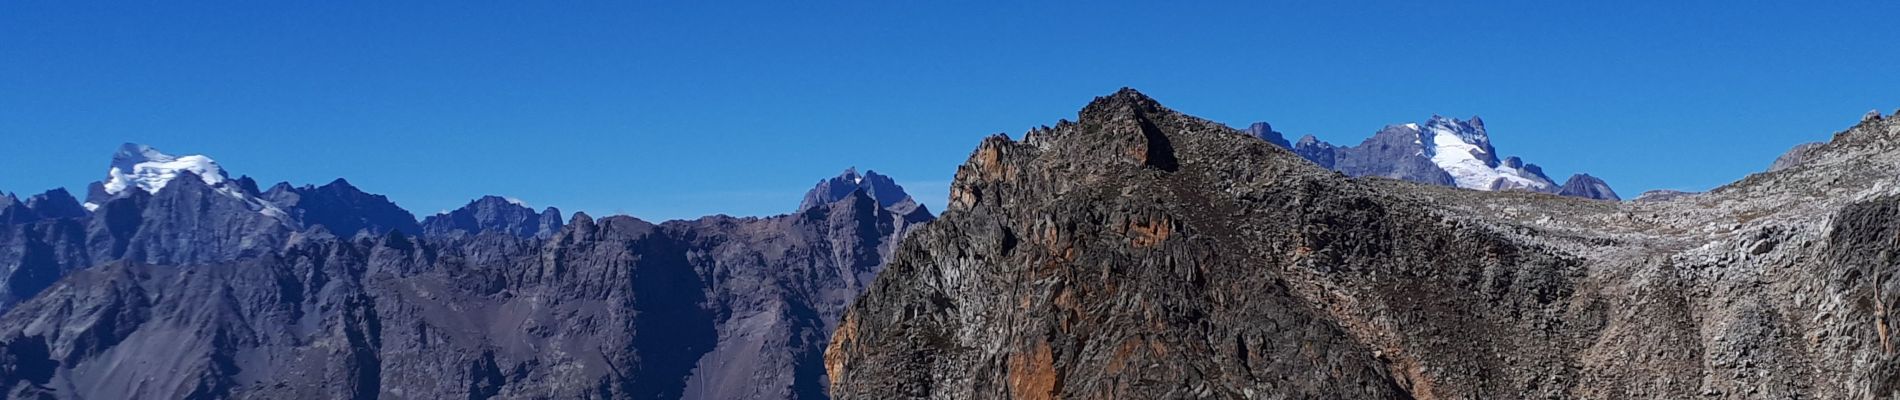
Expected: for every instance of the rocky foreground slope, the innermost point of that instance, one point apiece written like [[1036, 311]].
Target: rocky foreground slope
[[1142, 253], [189, 286]]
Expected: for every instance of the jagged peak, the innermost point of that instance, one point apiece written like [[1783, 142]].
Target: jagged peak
[[1471, 130], [246, 184], [490, 202], [133, 153], [851, 173], [1311, 141], [141, 166], [56, 203], [1265, 131], [493, 200], [877, 186], [1127, 95], [340, 183], [581, 220], [1587, 186], [1124, 101], [52, 193], [497, 214]]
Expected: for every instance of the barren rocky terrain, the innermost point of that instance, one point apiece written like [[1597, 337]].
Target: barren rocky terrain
[[1138, 252]]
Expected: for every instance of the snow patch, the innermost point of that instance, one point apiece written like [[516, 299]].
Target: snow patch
[[150, 170]]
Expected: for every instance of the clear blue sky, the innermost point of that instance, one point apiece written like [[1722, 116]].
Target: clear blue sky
[[678, 109]]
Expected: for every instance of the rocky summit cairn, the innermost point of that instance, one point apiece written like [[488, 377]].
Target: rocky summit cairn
[[1137, 252]]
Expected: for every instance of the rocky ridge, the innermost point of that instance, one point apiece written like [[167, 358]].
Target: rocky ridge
[[489, 301], [494, 214], [1141, 253]]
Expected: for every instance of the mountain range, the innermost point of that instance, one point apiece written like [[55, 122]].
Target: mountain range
[[1134, 252], [175, 280], [1442, 151]]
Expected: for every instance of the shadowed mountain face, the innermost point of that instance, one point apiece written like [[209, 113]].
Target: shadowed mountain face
[[215, 290], [1265, 132], [1589, 187], [342, 209], [188, 222], [494, 214], [1142, 253], [886, 191]]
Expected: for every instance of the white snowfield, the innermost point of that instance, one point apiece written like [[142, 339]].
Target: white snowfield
[[150, 170], [1463, 150]]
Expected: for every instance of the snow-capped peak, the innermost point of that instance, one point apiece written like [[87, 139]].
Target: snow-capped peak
[[1463, 149], [148, 169], [1468, 135]]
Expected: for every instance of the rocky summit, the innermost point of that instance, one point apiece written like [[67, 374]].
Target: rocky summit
[[181, 285], [1137, 252]]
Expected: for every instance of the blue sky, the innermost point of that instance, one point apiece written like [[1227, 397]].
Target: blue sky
[[679, 109]]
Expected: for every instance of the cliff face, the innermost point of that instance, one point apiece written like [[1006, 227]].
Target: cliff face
[[1142, 253]]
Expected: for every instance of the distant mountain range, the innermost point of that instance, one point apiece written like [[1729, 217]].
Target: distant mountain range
[[175, 280], [1442, 151]]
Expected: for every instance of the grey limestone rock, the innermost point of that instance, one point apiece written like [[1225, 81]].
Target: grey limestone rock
[[1794, 156]]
